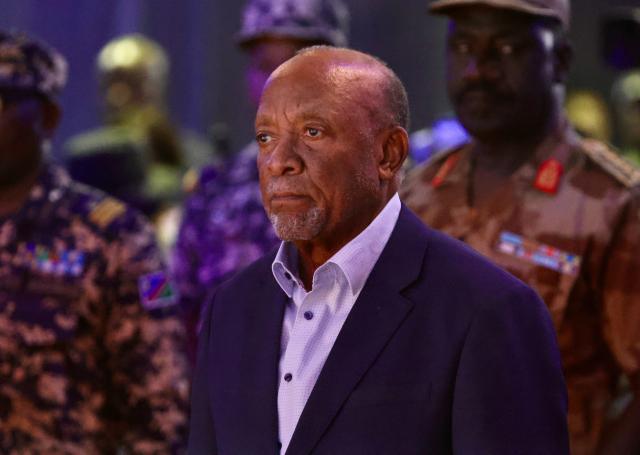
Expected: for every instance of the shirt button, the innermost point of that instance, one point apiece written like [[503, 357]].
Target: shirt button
[[308, 315], [287, 275], [288, 377]]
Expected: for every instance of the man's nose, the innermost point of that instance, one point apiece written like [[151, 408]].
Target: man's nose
[[481, 66], [284, 158]]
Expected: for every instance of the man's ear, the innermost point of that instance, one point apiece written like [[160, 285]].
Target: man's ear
[[395, 148], [51, 115]]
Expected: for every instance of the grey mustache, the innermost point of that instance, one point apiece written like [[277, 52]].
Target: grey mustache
[[281, 186]]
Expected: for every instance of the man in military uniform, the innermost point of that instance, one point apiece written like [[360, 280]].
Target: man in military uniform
[[552, 208], [139, 156], [89, 337], [225, 227]]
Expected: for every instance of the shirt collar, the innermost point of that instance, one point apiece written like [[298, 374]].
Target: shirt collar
[[355, 260]]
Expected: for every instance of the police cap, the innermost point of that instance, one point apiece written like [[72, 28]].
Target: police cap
[[27, 64], [324, 21]]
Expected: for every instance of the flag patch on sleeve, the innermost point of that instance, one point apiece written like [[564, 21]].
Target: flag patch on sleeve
[[156, 291]]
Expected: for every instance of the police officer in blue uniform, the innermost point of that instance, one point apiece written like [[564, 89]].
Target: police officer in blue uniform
[[90, 359]]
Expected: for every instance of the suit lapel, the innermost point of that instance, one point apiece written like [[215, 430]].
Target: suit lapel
[[259, 364], [375, 317]]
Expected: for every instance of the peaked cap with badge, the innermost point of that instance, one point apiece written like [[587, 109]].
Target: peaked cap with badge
[[557, 9]]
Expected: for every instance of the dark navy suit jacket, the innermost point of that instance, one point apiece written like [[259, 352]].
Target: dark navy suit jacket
[[443, 353]]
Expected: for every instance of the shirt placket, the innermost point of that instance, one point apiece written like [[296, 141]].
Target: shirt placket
[[299, 357]]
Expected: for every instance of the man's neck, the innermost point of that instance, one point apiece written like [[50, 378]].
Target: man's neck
[[14, 196], [507, 154], [312, 254]]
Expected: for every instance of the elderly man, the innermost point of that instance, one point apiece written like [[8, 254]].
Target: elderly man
[[554, 209], [225, 227], [365, 332], [89, 337]]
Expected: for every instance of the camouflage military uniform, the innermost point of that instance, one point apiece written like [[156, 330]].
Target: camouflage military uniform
[[225, 228], [89, 339], [578, 245]]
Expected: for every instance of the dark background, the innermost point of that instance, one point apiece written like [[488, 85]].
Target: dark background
[[207, 69]]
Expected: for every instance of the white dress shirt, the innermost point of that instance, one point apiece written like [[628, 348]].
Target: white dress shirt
[[312, 320]]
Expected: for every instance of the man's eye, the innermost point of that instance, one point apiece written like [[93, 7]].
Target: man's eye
[[312, 132], [263, 138]]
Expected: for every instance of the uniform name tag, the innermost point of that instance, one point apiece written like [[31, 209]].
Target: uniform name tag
[[538, 253]]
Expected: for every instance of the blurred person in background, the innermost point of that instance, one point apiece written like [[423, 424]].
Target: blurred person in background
[[625, 97], [225, 227], [90, 342], [139, 155], [589, 114], [554, 209], [441, 136]]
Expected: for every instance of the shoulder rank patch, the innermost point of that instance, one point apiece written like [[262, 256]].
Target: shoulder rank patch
[[624, 171], [156, 291], [106, 211], [537, 253], [548, 176], [445, 169]]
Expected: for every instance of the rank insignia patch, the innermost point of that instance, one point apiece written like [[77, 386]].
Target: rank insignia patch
[[538, 253], [445, 169], [548, 177], [156, 291]]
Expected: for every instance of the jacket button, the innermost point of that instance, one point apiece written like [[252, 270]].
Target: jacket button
[[288, 377]]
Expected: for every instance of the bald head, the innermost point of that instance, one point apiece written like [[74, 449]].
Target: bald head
[[356, 77]]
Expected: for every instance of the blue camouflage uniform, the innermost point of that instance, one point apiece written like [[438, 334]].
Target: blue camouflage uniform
[[89, 352], [224, 228], [91, 357]]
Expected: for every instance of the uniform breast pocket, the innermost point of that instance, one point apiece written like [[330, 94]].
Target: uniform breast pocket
[[554, 287], [376, 395], [38, 321]]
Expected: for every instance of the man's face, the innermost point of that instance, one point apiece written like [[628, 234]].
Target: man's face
[[22, 131], [501, 71], [318, 172], [265, 55]]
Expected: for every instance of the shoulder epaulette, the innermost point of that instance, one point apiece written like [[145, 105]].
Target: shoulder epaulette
[[106, 211], [622, 170], [445, 161]]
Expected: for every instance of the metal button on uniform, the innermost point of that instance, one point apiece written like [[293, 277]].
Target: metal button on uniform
[[308, 315], [288, 377]]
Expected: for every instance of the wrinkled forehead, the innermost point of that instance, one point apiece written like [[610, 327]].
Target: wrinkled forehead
[[293, 98], [312, 80]]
